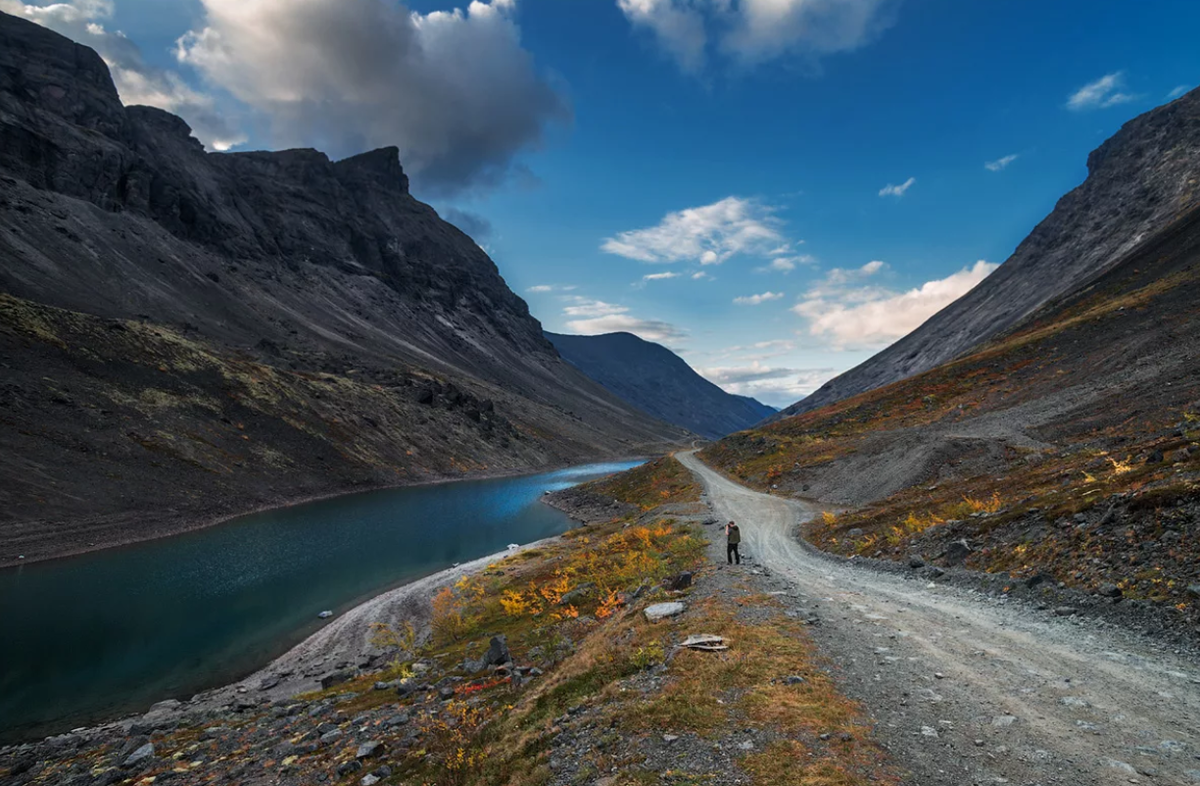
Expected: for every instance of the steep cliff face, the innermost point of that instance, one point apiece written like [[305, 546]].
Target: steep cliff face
[[1139, 182], [136, 264], [657, 381]]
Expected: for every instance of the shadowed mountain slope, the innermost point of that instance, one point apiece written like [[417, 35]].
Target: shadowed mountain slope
[[188, 334], [1139, 181], [657, 381]]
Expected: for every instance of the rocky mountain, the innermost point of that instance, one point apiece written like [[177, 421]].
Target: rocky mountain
[[187, 335], [657, 381], [1139, 182]]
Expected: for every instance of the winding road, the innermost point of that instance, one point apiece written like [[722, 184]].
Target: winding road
[[971, 689]]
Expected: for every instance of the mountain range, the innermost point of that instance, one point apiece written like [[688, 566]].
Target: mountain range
[[657, 381], [188, 335]]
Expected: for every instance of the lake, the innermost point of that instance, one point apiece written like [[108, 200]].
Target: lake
[[105, 634]]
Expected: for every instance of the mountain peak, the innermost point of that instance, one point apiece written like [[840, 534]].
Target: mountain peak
[[381, 166]]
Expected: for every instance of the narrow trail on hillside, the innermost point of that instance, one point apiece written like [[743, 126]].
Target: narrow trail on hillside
[[971, 689]]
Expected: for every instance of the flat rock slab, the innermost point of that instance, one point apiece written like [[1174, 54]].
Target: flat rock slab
[[661, 611]]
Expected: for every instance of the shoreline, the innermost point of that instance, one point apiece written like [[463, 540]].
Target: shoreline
[[192, 524], [341, 645]]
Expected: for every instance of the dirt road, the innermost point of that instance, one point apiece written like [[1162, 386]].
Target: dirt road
[[971, 689]]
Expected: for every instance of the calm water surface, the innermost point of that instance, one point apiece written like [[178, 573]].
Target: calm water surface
[[92, 637]]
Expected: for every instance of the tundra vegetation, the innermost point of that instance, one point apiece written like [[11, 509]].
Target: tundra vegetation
[[591, 682]]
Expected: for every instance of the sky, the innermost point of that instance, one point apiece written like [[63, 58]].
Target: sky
[[775, 189]]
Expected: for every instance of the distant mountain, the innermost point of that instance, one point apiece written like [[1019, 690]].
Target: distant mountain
[[659, 382], [188, 335], [1140, 181]]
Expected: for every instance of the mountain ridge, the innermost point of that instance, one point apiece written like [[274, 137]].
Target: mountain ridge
[[1139, 180], [659, 382]]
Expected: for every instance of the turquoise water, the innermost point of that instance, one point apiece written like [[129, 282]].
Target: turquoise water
[[104, 634]]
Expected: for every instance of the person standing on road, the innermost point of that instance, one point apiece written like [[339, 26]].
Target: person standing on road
[[733, 536]]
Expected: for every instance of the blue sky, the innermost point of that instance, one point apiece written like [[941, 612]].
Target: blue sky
[[774, 188]]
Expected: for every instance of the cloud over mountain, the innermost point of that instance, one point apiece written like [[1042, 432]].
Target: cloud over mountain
[[454, 90], [852, 314]]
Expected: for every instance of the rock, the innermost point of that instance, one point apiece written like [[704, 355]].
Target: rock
[[368, 750], [680, 582], [331, 736], [1037, 579], [915, 562], [577, 595], [139, 757], [855, 533], [660, 611], [957, 552], [446, 693], [1002, 721], [1064, 611], [369, 780], [498, 653], [1110, 591], [269, 682], [793, 679], [935, 572], [1193, 590], [335, 678], [1155, 458], [347, 767]]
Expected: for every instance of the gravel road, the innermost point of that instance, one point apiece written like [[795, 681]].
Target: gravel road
[[971, 689]]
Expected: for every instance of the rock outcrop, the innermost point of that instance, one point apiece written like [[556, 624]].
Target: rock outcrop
[[1139, 182], [657, 381]]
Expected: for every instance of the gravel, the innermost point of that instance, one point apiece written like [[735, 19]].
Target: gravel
[[998, 711]]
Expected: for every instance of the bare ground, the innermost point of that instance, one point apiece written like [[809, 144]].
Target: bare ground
[[969, 689]]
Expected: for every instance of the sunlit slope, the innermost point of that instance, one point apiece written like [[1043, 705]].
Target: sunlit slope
[[1097, 394]]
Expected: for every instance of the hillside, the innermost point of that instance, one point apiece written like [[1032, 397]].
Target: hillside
[[1139, 181], [189, 335], [1068, 447], [657, 381]]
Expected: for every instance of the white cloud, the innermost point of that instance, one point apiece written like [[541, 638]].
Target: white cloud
[[871, 317], [649, 329], [678, 27], [455, 90], [897, 191], [137, 82], [1178, 92], [587, 307], [755, 300], [543, 288], [755, 31], [659, 276], [1101, 94], [700, 276], [776, 386], [787, 264], [601, 317], [1000, 163], [708, 235]]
